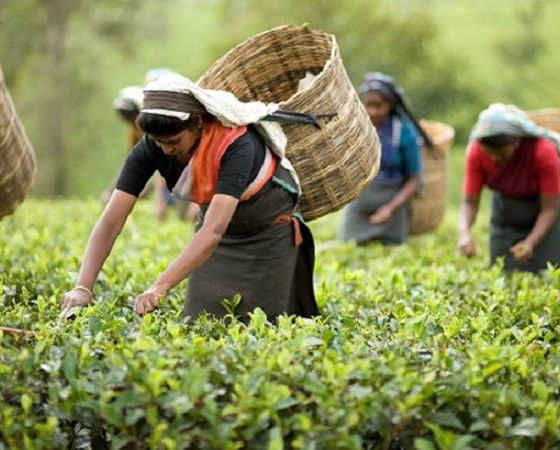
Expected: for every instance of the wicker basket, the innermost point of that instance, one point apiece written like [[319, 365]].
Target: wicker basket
[[334, 163], [428, 208], [546, 118], [17, 159]]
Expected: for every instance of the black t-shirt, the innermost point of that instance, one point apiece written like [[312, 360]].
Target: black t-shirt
[[239, 166]]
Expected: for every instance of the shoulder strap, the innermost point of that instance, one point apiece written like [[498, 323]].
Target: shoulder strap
[[397, 128]]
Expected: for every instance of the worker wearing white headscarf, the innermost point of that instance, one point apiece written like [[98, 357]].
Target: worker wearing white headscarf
[[251, 244], [519, 162]]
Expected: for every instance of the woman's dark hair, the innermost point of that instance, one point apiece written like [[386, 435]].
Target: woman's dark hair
[[158, 125], [384, 90], [498, 141]]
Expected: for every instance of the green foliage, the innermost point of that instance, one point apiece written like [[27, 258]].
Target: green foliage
[[415, 347], [478, 30], [54, 47], [525, 48], [522, 51]]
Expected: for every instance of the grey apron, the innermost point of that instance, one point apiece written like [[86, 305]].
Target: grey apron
[[512, 219], [258, 260], [356, 225]]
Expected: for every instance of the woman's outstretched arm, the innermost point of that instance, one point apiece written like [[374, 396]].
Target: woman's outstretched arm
[[194, 255], [467, 217], [384, 213], [523, 250], [99, 246]]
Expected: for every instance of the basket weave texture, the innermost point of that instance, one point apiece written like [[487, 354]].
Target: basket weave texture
[[546, 118], [18, 166], [427, 210], [334, 163]]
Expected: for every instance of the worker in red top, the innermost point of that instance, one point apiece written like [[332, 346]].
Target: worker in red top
[[519, 162]]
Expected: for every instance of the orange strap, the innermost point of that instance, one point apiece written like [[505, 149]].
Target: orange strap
[[285, 218], [206, 161]]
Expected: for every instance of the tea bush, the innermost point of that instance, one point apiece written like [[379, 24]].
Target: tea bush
[[415, 347]]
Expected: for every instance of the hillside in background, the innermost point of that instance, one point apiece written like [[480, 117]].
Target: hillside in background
[[479, 52]]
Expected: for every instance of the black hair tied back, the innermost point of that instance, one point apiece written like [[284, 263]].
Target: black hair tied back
[[159, 125], [498, 140]]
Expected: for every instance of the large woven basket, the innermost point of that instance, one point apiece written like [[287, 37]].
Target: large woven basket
[[334, 163], [17, 159], [429, 207], [546, 118]]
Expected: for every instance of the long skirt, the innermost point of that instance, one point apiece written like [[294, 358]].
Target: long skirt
[[356, 225], [512, 219], [258, 261]]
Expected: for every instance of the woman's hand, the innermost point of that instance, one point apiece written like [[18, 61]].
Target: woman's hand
[[466, 245], [382, 215], [76, 297], [522, 251], [148, 301]]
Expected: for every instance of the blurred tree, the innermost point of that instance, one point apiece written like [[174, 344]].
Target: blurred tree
[[525, 48], [522, 48], [374, 36], [58, 78]]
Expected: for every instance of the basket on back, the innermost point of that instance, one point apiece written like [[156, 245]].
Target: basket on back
[[427, 209], [546, 118], [17, 158], [334, 163]]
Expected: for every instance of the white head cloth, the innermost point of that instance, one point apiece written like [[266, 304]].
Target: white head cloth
[[129, 98], [224, 106], [509, 119]]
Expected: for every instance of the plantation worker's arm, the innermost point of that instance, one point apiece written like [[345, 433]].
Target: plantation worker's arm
[[410, 152], [384, 213], [523, 250], [194, 255], [99, 245], [161, 201], [473, 183], [548, 176], [467, 217]]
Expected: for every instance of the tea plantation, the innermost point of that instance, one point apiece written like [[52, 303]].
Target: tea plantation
[[415, 348]]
